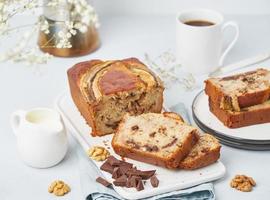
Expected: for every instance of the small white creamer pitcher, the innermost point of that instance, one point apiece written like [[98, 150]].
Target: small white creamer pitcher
[[41, 136]]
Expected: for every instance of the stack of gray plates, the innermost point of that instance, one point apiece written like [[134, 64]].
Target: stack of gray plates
[[256, 137]]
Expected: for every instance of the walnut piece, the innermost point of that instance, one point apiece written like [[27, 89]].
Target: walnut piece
[[243, 183], [59, 188], [98, 153]]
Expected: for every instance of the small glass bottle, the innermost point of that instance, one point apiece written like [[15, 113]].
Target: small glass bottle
[[68, 30]]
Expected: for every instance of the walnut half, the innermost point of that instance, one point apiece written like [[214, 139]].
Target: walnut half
[[243, 183], [98, 153], [59, 188]]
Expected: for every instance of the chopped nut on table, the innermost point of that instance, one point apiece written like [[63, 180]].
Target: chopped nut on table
[[59, 188], [243, 183], [98, 153]]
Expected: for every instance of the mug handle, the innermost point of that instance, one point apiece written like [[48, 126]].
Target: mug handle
[[225, 26], [15, 120]]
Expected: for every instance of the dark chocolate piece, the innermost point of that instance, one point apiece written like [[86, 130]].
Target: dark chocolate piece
[[154, 181], [124, 168], [135, 128], [134, 180], [128, 184], [152, 134], [170, 143], [151, 148], [116, 173], [127, 164], [139, 186], [113, 161], [143, 174], [107, 167], [133, 144], [121, 181], [103, 181]]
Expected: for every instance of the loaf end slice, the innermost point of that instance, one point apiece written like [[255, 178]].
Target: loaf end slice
[[154, 138], [205, 152]]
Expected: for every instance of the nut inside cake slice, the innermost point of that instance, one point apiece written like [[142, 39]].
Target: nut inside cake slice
[[159, 139]]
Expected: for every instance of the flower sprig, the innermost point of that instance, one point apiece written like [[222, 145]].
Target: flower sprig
[[81, 16], [166, 66]]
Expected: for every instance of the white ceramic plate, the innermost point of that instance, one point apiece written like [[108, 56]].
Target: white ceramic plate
[[255, 134], [170, 180]]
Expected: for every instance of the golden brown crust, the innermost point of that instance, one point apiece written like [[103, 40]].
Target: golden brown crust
[[171, 162], [117, 79], [173, 116], [242, 118], [74, 76]]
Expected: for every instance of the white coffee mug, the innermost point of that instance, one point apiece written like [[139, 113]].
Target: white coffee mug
[[41, 136], [199, 48]]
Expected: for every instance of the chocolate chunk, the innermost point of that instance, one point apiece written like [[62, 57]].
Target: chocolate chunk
[[143, 174], [134, 180], [170, 143], [152, 134], [103, 181], [140, 186], [121, 181], [162, 130], [128, 184], [135, 127], [151, 148], [107, 167], [116, 173], [146, 174], [113, 161], [154, 181], [124, 168], [133, 144]]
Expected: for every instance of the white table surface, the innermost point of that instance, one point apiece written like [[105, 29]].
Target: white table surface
[[24, 87]]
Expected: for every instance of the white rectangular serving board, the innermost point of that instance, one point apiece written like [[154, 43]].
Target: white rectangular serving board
[[170, 180]]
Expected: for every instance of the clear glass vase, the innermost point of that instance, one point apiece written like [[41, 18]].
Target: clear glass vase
[[68, 30]]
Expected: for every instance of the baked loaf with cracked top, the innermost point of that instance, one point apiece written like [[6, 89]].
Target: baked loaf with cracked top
[[104, 91], [239, 91], [159, 139]]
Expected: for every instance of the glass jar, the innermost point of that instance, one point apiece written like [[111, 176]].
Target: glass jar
[[67, 29]]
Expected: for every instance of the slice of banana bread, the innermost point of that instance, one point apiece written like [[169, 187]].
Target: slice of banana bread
[[159, 139], [251, 115], [239, 91], [205, 152]]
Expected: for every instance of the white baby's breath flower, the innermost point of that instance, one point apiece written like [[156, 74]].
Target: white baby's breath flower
[[44, 25]]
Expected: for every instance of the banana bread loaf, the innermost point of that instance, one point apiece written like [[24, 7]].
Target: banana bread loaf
[[104, 91], [159, 139], [239, 91]]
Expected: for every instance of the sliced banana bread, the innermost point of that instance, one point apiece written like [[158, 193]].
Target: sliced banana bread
[[205, 152], [239, 91], [251, 115], [159, 139], [104, 91]]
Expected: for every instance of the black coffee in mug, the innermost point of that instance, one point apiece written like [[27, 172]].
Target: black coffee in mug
[[199, 23]]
